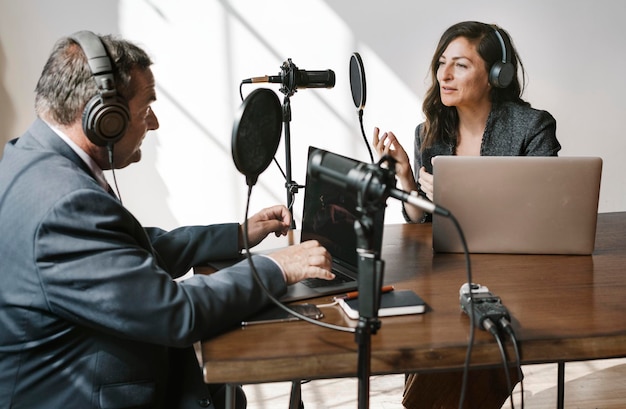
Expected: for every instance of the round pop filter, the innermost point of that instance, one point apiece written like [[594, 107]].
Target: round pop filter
[[357, 81], [256, 133], [357, 86]]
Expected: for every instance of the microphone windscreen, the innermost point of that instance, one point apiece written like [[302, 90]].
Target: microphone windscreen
[[357, 80], [256, 133]]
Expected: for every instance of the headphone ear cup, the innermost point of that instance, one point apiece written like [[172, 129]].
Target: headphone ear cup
[[501, 74], [105, 121]]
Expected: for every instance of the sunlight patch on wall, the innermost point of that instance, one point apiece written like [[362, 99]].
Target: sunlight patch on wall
[[202, 50]]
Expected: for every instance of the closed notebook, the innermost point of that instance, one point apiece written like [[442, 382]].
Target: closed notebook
[[398, 302]]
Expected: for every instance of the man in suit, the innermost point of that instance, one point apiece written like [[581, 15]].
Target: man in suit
[[90, 313]]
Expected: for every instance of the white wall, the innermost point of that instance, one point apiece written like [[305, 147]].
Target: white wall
[[572, 51]]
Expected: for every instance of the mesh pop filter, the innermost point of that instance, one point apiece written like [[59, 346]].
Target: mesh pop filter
[[256, 133], [357, 80]]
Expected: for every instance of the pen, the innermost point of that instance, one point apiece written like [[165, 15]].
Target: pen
[[354, 294]]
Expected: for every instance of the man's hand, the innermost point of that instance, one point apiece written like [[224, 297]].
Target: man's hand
[[305, 260], [276, 219]]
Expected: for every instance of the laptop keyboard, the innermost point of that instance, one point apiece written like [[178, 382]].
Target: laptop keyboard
[[319, 282]]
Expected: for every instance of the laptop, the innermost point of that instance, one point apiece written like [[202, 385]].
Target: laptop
[[328, 216], [517, 205]]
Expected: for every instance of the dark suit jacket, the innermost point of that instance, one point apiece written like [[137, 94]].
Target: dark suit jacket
[[90, 315]]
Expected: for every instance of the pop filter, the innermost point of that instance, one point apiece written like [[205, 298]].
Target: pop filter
[[256, 133], [357, 81], [357, 86]]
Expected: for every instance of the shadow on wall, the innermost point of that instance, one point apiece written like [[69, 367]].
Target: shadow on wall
[[7, 111]]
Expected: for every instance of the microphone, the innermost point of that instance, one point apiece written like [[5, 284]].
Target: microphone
[[293, 78], [414, 199], [487, 308], [256, 133], [372, 180]]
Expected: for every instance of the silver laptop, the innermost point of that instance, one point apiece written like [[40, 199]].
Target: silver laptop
[[328, 216], [524, 205]]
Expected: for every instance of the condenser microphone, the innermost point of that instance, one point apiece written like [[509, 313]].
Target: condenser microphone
[[293, 78], [312, 79], [413, 198], [256, 133], [301, 79]]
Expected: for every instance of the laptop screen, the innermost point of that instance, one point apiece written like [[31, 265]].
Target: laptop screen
[[329, 213]]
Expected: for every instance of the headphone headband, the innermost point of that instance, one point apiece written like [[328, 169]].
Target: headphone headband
[[505, 58]]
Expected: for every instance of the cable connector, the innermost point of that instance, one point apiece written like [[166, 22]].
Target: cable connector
[[506, 326], [489, 326]]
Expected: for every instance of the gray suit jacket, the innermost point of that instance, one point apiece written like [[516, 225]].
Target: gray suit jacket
[[90, 315]]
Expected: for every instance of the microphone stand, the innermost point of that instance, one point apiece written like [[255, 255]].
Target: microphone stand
[[370, 268], [290, 185], [288, 88], [372, 184]]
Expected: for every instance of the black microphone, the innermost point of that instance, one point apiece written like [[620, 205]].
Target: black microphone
[[301, 79], [293, 78], [487, 309], [372, 180], [314, 79]]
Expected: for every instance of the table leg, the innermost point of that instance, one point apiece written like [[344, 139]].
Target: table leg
[[560, 388], [295, 399], [230, 396]]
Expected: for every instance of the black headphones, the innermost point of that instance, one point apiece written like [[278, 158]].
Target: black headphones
[[502, 72], [106, 115]]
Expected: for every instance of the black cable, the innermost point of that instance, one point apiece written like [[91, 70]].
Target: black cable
[[267, 292], [493, 330], [280, 168], [468, 268], [508, 328], [117, 189], [364, 136]]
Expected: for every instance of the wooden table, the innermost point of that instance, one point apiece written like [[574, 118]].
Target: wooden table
[[563, 308]]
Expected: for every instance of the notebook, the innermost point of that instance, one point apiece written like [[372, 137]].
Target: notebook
[[328, 216], [517, 205], [398, 302]]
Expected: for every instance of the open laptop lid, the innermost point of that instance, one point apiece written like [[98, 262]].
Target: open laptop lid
[[526, 205], [328, 216]]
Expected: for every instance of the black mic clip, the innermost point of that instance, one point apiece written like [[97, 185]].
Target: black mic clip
[[486, 308], [288, 72], [293, 78]]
